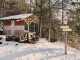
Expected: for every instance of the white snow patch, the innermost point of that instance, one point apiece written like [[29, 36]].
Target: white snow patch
[[42, 50]]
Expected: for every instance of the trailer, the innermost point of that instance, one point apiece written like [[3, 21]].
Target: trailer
[[14, 26]]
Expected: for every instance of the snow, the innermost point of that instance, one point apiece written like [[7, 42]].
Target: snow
[[21, 16], [42, 50]]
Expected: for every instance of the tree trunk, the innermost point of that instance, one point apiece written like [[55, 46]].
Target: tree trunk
[[41, 18], [49, 37]]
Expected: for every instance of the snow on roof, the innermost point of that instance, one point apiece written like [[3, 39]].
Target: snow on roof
[[15, 17]]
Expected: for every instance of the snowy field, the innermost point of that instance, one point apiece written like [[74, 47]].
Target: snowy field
[[42, 50]]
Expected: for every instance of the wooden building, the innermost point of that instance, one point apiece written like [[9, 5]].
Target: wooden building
[[15, 25]]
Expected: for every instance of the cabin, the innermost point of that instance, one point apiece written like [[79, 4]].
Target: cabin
[[14, 26]]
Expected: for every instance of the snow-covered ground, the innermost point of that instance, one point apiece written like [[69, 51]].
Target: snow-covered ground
[[42, 50]]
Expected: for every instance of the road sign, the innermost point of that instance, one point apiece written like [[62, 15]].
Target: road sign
[[68, 29], [64, 27]]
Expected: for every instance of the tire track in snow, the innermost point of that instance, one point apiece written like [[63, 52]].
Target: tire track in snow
[[24, 53]]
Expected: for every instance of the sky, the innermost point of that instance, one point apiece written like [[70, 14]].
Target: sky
[[28, 1]]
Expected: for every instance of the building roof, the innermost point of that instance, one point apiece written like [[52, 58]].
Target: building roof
[[16, 17]]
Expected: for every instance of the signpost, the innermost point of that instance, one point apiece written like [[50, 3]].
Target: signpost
[[65, 29], [68, 29]]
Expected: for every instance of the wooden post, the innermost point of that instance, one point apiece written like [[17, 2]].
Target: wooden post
[[34, 26], [38, 28], [66, 22], [66, 29], [28, 29], [27, 22], [65, 42]]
